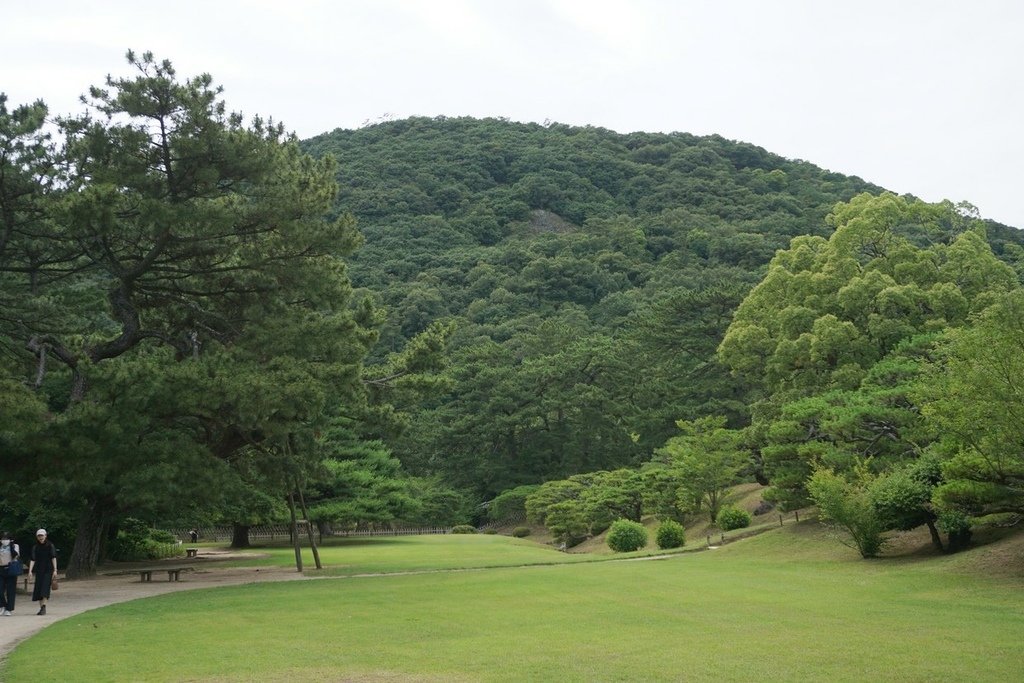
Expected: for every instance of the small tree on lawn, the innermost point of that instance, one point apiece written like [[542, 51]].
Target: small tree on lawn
[[846, 505], [706, 459]]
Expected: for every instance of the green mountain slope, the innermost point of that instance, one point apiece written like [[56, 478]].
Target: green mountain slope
[[591, 274]]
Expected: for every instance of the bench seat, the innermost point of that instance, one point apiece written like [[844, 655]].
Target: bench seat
[[173, 573]]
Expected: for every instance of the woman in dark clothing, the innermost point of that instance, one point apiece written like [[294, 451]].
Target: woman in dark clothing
[[43, 567], [9, 552]]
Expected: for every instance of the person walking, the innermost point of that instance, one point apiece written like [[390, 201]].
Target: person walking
[[43, 567], [9, 552]]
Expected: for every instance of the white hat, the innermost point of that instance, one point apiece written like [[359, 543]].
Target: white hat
[[41, 532]]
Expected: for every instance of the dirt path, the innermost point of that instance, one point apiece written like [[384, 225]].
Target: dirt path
[[75, 597]]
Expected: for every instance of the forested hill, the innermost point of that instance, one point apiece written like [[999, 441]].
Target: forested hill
[[437, 197], [591, 276]]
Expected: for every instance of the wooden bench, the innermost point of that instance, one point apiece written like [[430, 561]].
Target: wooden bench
[[24, 584], [191, 552], [173, 573]]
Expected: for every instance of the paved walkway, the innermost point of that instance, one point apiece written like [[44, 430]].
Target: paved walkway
[[75, 597]]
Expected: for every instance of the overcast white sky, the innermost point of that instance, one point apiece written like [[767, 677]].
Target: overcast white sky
[[919, 96]]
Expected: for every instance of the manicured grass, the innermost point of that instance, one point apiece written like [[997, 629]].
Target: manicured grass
[[779, 607], [347, 556]]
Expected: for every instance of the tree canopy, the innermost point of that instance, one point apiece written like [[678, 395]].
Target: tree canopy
[[194, 317], [405, 320]]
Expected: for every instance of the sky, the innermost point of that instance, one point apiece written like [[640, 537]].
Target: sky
[[919, 96]]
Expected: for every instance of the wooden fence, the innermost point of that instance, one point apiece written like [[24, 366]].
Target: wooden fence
[[220, 534], [282, 532], [278, 532]]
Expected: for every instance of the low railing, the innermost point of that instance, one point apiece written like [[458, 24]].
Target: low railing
[[395, 531], [162, 550], [515, 520], [276, 532], [221, 534]]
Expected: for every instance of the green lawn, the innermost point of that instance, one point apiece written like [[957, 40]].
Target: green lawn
[[773, 608], [348, 556]]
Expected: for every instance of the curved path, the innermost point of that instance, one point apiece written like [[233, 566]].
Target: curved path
[[75, 597]]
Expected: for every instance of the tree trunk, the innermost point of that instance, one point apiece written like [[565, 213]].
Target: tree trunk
[[309, 530], [712, 506], [638, 511], [958, 540], [295, 533], [936, 538], [89, 539], [239, 535]]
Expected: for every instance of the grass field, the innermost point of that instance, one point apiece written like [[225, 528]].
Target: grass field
[[348, 556], [788, 605]]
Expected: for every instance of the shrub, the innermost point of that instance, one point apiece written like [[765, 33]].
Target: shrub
[[844, 505], [626, 536], [510, 503], [161, 536], [136, 541], [670, 535], [464, 529], [731, 517], [521, 531], [492, 531]]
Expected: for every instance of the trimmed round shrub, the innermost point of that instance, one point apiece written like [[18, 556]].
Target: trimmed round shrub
[[626, 536], [521, 531], [492, 531], [464, 529], [732, 518], [670, 535]]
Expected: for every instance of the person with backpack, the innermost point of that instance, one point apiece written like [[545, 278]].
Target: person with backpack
[[10, 554], [43, 566]]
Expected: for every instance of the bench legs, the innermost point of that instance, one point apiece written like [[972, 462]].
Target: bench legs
[[146, 575]]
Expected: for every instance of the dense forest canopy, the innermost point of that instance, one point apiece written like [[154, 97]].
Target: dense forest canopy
[[204, 318], [592, 276]]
